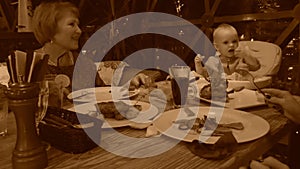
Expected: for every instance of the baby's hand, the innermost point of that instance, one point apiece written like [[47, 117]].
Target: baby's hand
[[200, 69], [198, 59], [243, 52], [247, 57], [242, 66]]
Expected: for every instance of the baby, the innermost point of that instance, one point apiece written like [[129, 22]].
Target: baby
[[232, 57]]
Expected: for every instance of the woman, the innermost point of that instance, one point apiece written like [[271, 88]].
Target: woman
[[56, 27]]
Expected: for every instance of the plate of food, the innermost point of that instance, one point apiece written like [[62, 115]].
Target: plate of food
[[102, 94], [120, 113], [180, 125], [238, 98]]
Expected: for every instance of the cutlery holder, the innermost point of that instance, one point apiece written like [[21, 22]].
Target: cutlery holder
[[57, 128], [28, 152]]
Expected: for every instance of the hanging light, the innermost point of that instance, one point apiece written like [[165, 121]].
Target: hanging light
[[242, 37]]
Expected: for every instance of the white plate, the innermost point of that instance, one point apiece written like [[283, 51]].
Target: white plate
[[254, 126], [241, 100], [145, 116], [261, 82], [101, 94], [245, 98]]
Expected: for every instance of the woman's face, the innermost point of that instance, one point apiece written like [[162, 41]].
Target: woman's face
[[68, 32]]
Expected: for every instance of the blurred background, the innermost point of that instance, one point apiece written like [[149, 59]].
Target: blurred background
[[275, 21]]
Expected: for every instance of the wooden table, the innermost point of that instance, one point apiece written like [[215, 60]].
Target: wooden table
[[178, 156]]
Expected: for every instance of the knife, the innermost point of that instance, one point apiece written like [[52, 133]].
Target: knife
[[12, 68], [28, 63]]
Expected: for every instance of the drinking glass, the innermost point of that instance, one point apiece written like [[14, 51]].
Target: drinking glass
[[180, 76], [55, 94], [3, 116], [42, 102]]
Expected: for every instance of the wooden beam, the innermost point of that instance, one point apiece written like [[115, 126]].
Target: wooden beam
[[112, 6], [237, 18], [207, 6], [153, 5], [194, 41], [16, 35], [287, 32], [81, 5], [215, 7], [166, 24], [255, 16]]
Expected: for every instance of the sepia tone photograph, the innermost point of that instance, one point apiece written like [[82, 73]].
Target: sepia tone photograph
[[156, 84]]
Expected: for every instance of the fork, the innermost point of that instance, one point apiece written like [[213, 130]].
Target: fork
[[267, 97], [244, 72]]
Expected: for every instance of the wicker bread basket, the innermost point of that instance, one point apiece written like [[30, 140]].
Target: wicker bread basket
[[57, 128]]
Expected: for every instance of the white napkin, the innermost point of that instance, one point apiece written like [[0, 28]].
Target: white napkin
[[4, 75], [140, 125], [152, 132]]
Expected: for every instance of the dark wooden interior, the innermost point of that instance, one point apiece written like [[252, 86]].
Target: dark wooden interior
[[275, 21]]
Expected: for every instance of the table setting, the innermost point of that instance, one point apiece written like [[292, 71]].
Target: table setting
[[147, 113], [241, 99], [157, 121], [253, 126], [150, 115], [153, 118]]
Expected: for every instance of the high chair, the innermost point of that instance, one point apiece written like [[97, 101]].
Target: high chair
[[269, 56]]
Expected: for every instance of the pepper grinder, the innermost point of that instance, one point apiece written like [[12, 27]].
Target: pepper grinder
[[29, 153]]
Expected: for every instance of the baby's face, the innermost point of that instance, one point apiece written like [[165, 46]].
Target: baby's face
[[226, 41]]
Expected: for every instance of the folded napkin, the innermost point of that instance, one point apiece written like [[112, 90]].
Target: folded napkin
[[151, 131]]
